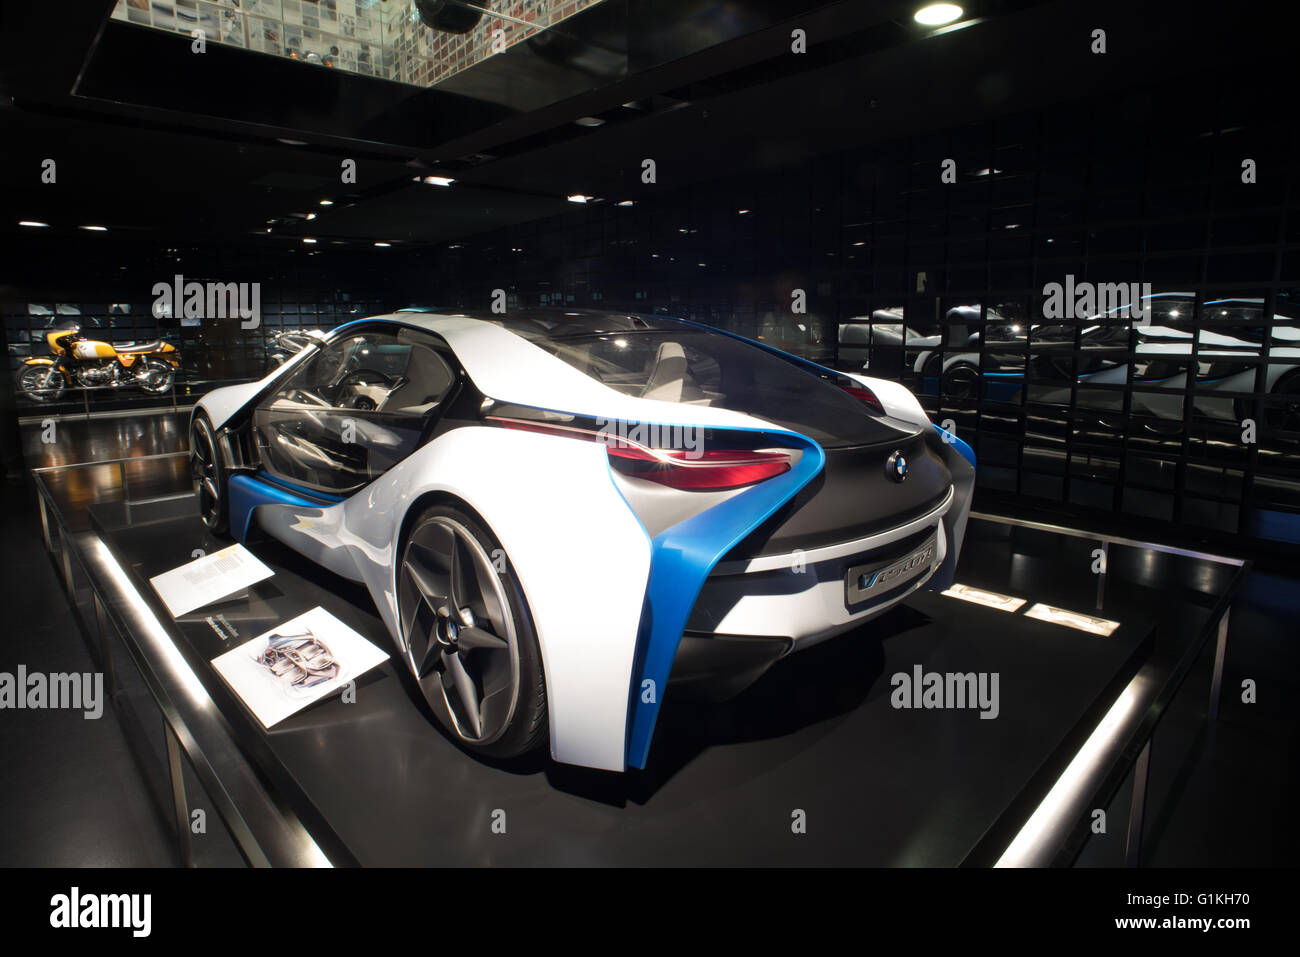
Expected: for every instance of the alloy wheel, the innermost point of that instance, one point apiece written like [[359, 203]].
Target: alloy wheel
[[203, 473], [458, 629]]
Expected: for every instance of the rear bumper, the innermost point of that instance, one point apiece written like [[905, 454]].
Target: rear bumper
[[804, 596]]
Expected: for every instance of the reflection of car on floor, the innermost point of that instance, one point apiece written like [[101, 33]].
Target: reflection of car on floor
[[557, 514]]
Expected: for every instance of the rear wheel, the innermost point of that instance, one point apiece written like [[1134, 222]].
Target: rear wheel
[[208, 475], [468, 636], [157, 376]]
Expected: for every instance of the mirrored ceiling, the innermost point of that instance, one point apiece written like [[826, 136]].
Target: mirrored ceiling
[[417, 42]]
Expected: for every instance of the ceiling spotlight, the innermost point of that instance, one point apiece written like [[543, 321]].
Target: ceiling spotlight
[[32, 222], [578, 198], [628, 202], [308, 239], [311, 216], [589, 121], [742, 212], [96, 229], [327, 202], [937, 14], [438, 180], [383, 245]]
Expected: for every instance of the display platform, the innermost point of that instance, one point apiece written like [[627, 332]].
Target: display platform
[[376, 782]]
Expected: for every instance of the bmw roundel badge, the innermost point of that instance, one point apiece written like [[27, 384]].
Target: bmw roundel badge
[[896, 466]]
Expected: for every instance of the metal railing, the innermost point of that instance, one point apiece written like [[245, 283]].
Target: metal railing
[[264, 832]]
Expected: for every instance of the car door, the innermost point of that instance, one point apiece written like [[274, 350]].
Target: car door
[[353, 410]]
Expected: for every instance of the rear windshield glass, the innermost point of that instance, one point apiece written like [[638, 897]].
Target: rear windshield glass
[[696, 367]]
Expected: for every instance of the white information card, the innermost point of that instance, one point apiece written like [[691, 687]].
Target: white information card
[[208, 579]]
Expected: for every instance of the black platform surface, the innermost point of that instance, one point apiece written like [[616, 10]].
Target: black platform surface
[[376, 782]]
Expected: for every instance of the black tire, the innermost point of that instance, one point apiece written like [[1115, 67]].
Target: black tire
[[448, 16], [513, 726], [29, 382], [961, 381], [209, 476], [1281, 410]]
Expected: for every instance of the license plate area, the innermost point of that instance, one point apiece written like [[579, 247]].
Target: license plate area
[[864, 582]]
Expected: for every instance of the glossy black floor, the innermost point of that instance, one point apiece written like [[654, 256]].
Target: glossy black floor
[[1219, 796]]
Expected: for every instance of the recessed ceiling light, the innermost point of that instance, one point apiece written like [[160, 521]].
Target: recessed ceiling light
[[578, 198], [438, 180], [383, 244], [288, 142], [742, 212], [311, 216], [937, 14], [308, 239], [327, 202], [589, 121], [628, 202], [96, 229], [32, 222]]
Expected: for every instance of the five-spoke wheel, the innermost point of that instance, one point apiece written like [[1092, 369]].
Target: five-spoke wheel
[[467, 636], [207, 475]]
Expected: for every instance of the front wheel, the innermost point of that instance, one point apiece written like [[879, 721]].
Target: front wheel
[[1282, 407], [208, 476], [468, 636], [42, 383]]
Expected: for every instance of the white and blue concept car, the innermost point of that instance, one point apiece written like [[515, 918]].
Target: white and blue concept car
[[564, 517]]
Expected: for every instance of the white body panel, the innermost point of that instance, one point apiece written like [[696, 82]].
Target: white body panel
[[580, 554]]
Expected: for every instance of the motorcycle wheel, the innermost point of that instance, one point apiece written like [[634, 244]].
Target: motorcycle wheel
[[42, 383], [157, 376]]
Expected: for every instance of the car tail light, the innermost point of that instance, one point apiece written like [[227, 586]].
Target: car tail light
[[710, 470], [688, 470], [866, 396]]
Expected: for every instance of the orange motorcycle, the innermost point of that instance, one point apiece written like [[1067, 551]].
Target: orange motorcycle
[[90, 364]]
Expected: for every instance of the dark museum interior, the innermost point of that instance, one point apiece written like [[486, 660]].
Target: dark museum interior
[[885, 190]]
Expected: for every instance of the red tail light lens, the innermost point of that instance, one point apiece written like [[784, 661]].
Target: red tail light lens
[[709, 470], [866, 396], [712, 470]]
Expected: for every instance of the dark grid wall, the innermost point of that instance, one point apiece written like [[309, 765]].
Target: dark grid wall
[[110, 295], [1139, 189]]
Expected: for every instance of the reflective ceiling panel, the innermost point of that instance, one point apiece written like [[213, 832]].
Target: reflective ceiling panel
[[388, 39]]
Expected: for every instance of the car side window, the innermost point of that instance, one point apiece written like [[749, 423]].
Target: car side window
[[353, 410]]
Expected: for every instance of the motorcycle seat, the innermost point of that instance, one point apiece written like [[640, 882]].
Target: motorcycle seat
[[138, 346]]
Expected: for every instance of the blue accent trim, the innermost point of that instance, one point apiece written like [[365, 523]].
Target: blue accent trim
[[681, 558], [247, 492], [947, 438], [309, 493]]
